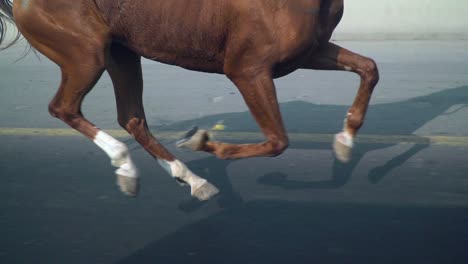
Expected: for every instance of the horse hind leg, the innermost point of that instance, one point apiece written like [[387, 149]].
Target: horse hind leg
[[66, 105], [125, 71], [333, 57], [81, 54]]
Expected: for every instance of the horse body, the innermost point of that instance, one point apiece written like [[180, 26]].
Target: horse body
[[249, 41], [191, 37], [205, 35]]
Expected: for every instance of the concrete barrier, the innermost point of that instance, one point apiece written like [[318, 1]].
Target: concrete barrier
[[404, 19]]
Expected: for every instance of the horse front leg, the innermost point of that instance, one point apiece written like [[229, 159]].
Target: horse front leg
[[258, 91], [334, 57], [125, 71]]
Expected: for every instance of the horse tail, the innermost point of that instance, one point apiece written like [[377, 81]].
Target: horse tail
[[7, 20]]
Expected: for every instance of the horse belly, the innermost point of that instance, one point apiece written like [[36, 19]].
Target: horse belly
[[190, 34]]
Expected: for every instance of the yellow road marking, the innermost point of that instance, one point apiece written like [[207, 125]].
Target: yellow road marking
[[251, 136]]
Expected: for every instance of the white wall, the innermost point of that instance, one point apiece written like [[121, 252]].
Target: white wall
[[404, 19]]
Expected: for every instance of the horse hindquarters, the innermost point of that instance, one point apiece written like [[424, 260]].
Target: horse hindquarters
[[80, 52], [78, 42]]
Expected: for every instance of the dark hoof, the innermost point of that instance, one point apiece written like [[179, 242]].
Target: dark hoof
[[194, 139]]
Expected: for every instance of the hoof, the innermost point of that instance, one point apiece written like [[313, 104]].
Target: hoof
[[342, 147], [204, 191], [128, 185], [194, 139]]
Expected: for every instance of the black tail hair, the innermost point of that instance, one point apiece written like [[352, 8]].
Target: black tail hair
[[7, 20]]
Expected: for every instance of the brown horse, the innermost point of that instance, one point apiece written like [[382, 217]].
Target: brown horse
[[251, 42]]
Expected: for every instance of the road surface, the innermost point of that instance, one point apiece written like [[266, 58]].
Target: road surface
[[402, 199]]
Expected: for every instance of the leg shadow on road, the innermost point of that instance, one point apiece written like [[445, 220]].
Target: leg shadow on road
[[396, 118], [378, 173], [342, 172]]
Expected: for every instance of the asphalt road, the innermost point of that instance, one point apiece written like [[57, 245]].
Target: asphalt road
[[402, 199]]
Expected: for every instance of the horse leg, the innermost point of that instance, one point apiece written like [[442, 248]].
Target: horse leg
[[125, 71], [333, 57], [66, 105], [81, 53], [258, 91]]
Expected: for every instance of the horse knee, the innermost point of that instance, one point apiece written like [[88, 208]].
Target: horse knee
[[132, 124], [137, 127], [122, 122], [129, 123], [66, 115], [369, 71], [277, 147]]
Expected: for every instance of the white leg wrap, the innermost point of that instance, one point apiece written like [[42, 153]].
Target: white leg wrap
[[118, 153], [346, 139], [178, 169], [199, 187], [343, 143]]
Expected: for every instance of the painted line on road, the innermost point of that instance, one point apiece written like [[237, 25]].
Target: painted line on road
[[252, 137]]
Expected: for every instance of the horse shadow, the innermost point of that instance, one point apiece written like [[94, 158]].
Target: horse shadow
[[278, 231], [395, 118]]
